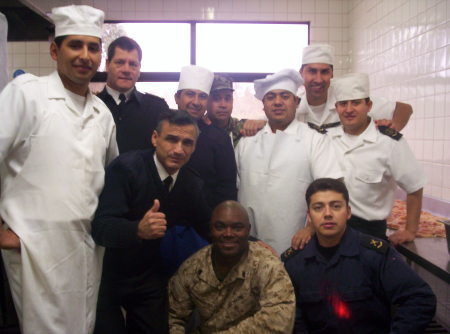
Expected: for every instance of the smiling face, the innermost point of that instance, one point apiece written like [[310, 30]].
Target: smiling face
[[123, 69], [280, 106], [174, 145], [353, 115], [317, 81], [230, 229], [77, 60], [193, 101], [328, 213]]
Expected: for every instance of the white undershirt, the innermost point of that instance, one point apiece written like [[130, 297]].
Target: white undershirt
[[115, 94], [318, 110], [351, 140], [78, 101], [163, 173]]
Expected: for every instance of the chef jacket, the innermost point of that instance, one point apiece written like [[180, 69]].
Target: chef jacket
[[274, 170], [52, 160], [373, 166]]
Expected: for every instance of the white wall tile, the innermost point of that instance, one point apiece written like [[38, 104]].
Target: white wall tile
[[404, 46]]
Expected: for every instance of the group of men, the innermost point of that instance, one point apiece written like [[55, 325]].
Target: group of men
[[176, 182]]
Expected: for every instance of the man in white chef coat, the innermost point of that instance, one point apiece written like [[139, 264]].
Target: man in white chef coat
[[374, 161], [276, 166], [317, 105], [55, 140]]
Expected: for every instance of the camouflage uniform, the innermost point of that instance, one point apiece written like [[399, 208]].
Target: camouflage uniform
[[255, 297], [234, 128]]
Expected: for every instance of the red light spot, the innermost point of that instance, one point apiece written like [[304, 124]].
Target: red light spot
[[339, 307]]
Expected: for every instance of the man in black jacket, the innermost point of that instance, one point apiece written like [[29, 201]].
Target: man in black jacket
[[146, 193], [349, 282], [214, 157], [135, 113]]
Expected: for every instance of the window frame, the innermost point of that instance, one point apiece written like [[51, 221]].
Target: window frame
[[175, 76]]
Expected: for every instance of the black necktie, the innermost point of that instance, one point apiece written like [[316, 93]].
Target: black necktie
[[122, 99], [167, 183]]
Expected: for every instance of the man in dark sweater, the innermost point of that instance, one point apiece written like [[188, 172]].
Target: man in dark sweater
[[349, 282], [146, 193], [135, 113], [214, 157]]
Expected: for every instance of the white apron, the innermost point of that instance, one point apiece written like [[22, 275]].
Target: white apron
[[49, 202], [274, 171]]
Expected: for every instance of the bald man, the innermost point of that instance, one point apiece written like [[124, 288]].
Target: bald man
[[218, 279]]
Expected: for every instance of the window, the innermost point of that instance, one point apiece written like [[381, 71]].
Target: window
[[244, 50]]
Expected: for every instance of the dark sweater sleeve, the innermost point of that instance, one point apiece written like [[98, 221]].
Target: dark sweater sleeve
[[414, 300], [225, 166], [111, 227]]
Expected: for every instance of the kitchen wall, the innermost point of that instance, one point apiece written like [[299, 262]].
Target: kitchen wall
[[403, 44]]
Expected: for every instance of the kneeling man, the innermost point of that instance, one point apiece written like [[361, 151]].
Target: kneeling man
[[237, 286], [349, 282]]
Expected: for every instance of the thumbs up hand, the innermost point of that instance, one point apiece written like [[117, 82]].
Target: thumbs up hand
[[153, 225]]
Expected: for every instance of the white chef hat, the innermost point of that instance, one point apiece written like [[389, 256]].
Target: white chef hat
[[352, 86], [77, 20], [286, 79], [318, 53], [195, 77]]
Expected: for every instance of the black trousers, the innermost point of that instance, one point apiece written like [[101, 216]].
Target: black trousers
[[375, 228], [135, 305]]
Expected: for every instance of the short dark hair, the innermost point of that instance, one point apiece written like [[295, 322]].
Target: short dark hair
[[176, 117], [58, 40], [125, 43], [325, 184]]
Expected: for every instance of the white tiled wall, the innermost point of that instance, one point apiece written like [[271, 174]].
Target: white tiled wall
[[405, 46], [327, 18]]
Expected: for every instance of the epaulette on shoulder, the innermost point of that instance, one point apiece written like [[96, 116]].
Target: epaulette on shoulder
[[390, 132], [373, 243], [289, 253]]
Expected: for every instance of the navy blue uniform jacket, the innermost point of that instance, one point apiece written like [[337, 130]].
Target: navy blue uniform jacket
[[214, 161], [354, 291]]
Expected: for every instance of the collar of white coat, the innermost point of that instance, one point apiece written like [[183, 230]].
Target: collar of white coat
[[304, 108], [292, 128], [56, 90], [370, 134]]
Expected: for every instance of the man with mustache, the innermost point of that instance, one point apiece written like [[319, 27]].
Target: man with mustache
[[220, 107], [317, 102], [276, 165], [374, 161], [213, 158], [55, 140], [135, 113], [236, 285]]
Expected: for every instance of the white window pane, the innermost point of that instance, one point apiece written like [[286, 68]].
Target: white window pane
[[166, 90], [165, 46], [232, 47]]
